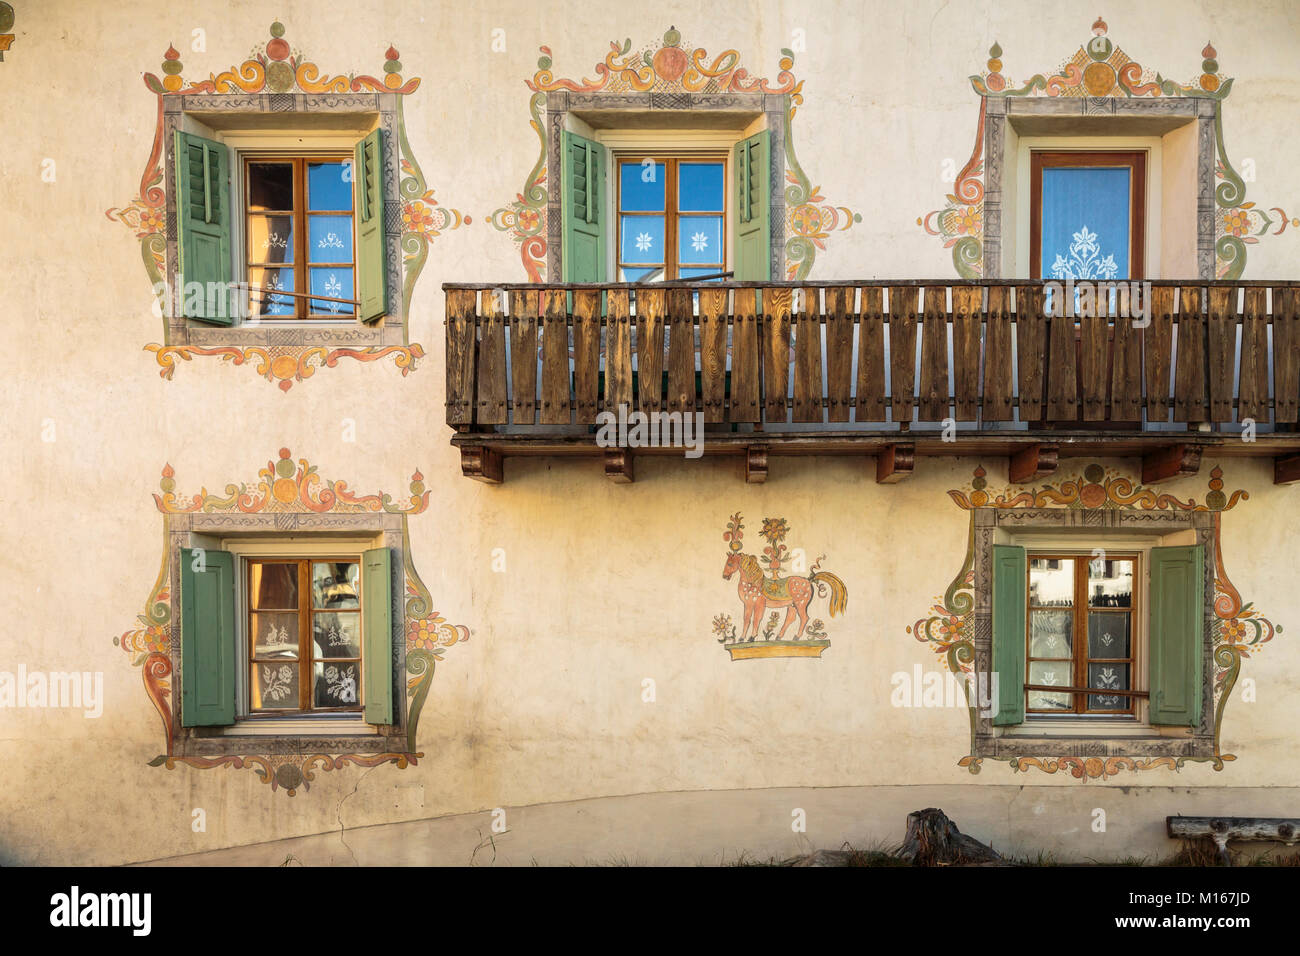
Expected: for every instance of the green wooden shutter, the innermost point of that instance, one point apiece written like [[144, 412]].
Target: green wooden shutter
[[377, 605], [208, 648], [1009, 632], [583, 250], [368, 207], [1177, 634], [203, 220], [753, 208]]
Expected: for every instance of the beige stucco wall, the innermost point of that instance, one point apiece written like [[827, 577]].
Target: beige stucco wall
[[604, 585]]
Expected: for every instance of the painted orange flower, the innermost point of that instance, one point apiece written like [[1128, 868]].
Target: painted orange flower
[[423, 633], [1234, 631], [807, 220], [417, 217], [1236, 222], [968, 221]]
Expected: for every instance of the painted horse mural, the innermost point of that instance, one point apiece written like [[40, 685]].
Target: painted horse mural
[[758, 591]]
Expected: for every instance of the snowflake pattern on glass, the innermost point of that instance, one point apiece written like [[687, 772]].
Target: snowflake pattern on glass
[[643, 241], [699, 242], [1085, 260]]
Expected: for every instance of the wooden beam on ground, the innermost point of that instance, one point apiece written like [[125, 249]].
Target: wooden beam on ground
[[1286, 469], [756, 464], [894, 463], [482, 464], [618, 465], [1032, 462], [1172, 461]]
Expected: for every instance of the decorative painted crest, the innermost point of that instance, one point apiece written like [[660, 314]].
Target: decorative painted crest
[[6, 24], [670, 67], [1240, 630], [761, 586], [1100, 69], [277, 68], [286, 487]]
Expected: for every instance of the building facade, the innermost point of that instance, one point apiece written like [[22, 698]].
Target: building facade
[[360, 509]]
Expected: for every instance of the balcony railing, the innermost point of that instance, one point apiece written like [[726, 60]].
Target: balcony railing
[[890, 369]]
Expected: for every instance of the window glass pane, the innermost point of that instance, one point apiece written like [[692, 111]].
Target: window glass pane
[[1108, 635], [333, 282], [329, 186], [336, 635], [700, 187], [275, 635], [335, 584], [329, 238], [699, 239], [274, 586], [1110, 583], [270, 238], [1113, 676], [642, 239], [337, 685], [706, 271], [642, 187], [1049, 673], [270, 187], [270, 280], [1051, 582], [653, 274], [1050, 633], [275, 686], [1085, 222]]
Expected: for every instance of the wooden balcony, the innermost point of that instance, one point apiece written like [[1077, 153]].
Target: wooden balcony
[[891, 370]]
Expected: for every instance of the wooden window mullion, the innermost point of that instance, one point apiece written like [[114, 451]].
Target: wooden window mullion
[[304, 637], [301, 306]]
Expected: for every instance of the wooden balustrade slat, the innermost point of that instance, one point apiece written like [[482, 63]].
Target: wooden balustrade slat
[[523, 356], [1031, 351], [839, 353], [1221, 351], [1126, 371], [681, 351], [1094, 359], [933, 398], [490, 376], [808, 359], [618, 351], [776, 353], [744, 358], [713, 354], [651, 311], [1286, 355], [1157, 349], [555, 357], [870, 389], [461, 346], [967, 316], [1062, 362], [902, 351], [1253, 390], [997, 357], [586, 355], [1190, 401]]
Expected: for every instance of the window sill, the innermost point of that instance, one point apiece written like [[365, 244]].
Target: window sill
[[305, 726], [1056, 728]]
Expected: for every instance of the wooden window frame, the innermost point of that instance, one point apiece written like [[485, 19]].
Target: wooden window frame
[[672, 161], [1133, 160], [306, 658], [300, 215], [1080, 610]]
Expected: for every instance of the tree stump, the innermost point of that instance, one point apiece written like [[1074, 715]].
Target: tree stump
[[934, 840]]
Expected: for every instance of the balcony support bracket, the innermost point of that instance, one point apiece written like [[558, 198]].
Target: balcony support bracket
[[1172, 461], [1286, 469], [756, 464], [1032, 462], [482, 464], [618, 465], [894, 463]]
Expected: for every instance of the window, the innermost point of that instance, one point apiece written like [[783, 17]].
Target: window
[[305, 635], [1087, 215], [277, 630], [671, 216], [667, 211], [312, 227], [299, 237], [1080, 632]]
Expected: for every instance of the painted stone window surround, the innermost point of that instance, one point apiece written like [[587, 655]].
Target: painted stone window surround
[[226, 532], [736, 115], [296, 122], [1026, 527]]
